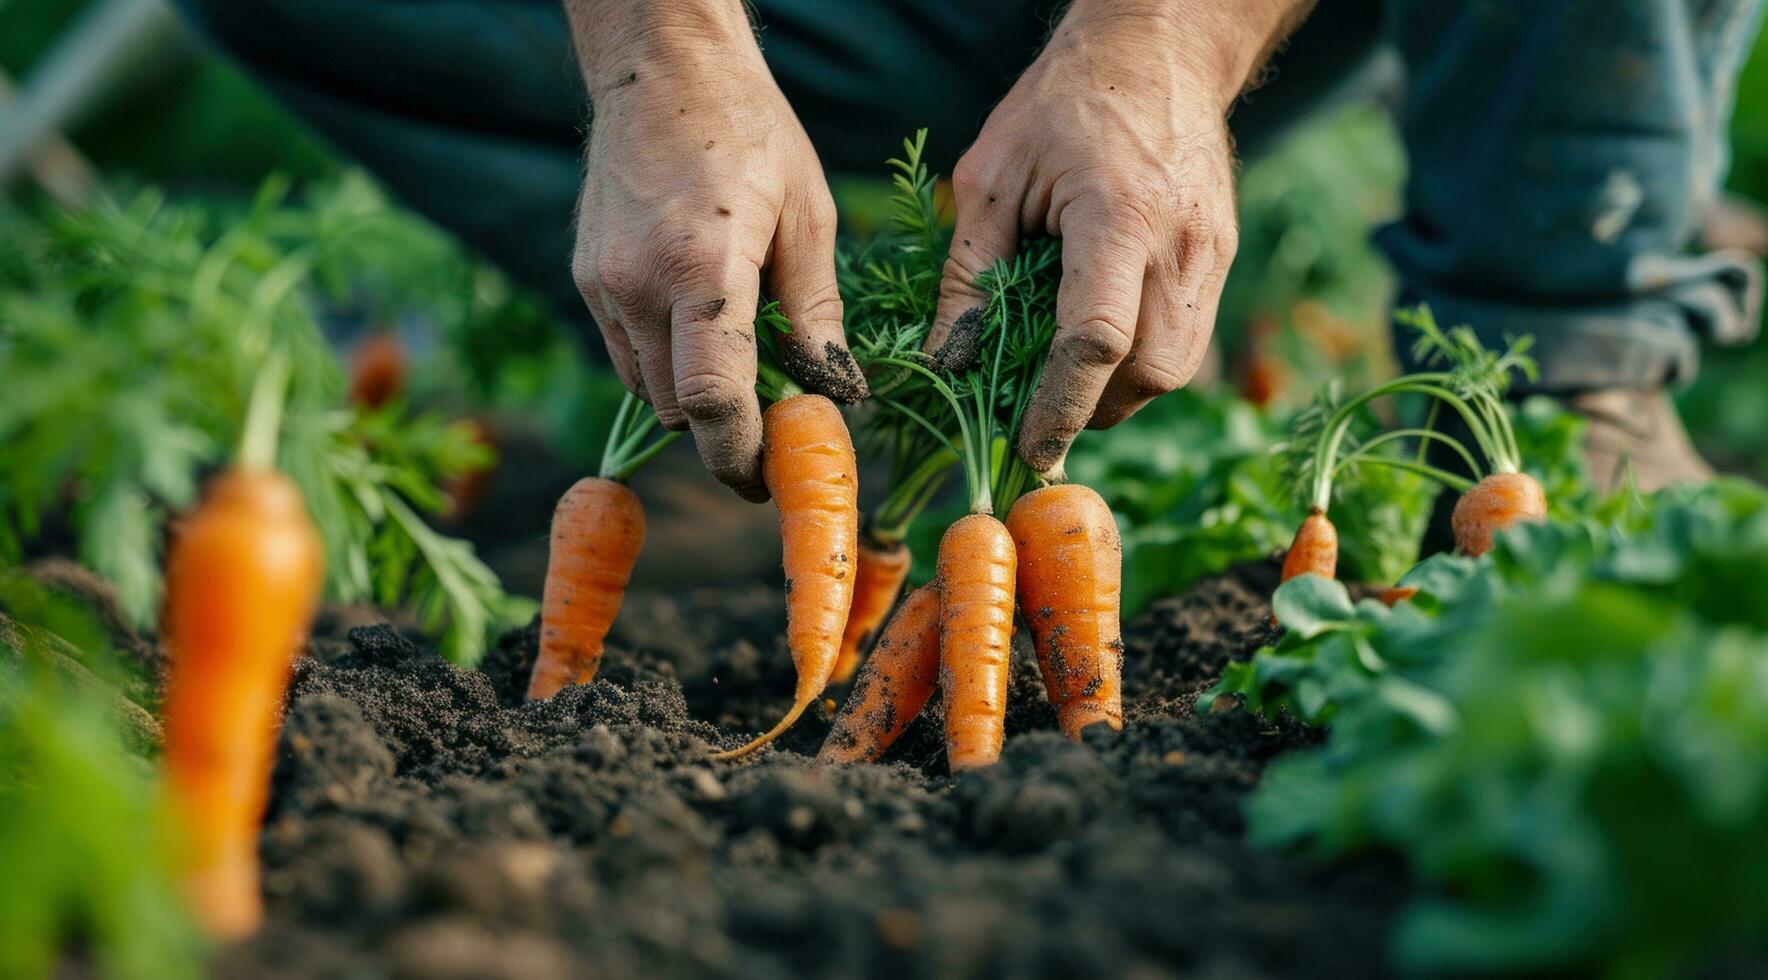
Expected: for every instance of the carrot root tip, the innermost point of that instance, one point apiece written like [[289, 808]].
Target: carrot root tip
[[767, 737]]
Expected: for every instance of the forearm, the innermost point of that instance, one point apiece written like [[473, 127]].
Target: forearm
[[1226, 43], [617, 41]]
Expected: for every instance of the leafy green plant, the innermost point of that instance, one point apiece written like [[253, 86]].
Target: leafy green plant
[[130, 334], [1568, 741], [81, 833]]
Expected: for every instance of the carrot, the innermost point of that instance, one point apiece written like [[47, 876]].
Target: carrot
[[882, 569], [597, 530], [377, 369], [242, 584], [808, 464], [1070, 589], [1315, 548], [894, 684], [467, 490], [1501, 500], [976, 571], [1394, 595]]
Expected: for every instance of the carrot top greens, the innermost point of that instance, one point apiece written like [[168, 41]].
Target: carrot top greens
[[131, 338], [1324, 443], [964, 402]]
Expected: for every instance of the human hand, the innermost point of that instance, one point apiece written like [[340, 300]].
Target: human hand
[[1116, 141], [699, 181]]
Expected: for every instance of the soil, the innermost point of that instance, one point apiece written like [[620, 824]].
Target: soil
[[425, 822]]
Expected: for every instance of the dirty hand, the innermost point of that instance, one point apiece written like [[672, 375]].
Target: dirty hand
[[699, 182], [1114, 140]]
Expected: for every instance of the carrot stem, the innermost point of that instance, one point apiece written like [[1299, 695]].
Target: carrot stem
[[1425, 383], [257, 445], [1424, 437], [774, 384], [890, 521], [1458, 483], [626, 451]]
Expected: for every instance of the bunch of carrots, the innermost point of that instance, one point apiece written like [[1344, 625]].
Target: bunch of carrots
[[1056, 558], [1471, 383]]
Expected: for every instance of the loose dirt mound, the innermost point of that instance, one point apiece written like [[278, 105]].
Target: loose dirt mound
[[424, 822]]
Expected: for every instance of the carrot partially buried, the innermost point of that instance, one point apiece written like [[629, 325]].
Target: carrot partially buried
[[598, 529], [881, 571], [1070, 583], [1501, 500], [1315, 548], [893, 685], [242, 583], [808, 464], [1393, 595], [977, 566]]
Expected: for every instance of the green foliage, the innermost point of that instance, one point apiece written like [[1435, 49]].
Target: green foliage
[[130, 335], [1199, 483], [1308, 286], [82, 837], [1568, 741]]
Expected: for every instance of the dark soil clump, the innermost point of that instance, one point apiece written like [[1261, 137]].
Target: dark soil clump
[[425, 822]]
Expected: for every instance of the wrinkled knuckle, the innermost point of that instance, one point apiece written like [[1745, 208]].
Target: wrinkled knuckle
[[1151, 379], [1099, 341], [686, 256], [583, 273], [1135, 210], [823, 211], [618, 277], [706, 396], [967, 175], [963, 267], [1227, 241], [1195, 237], [821, 306]]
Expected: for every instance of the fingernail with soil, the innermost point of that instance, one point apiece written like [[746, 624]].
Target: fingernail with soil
[[961, 346], [831, 371]]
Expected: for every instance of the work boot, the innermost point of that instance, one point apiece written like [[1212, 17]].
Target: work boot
[[1637, 432]]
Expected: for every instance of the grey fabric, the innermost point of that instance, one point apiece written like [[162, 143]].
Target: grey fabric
[[1562, 151]]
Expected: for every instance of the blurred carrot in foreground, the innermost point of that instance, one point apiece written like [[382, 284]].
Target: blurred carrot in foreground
[[243, 581]]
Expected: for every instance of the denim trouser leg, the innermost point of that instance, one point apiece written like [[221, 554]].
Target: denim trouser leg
[[472, 110], [1563, 154]]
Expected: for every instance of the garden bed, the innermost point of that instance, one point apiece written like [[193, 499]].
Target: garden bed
[[424, 821]]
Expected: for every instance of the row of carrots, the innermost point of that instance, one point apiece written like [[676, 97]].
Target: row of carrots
[[245, 570]]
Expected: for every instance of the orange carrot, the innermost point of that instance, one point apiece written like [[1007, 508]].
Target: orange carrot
[[1394, 595], [1070, 590], [976, 570], [882, 570], [242, 584], [1315, 548], [894, 684], [377, 369], [1499, 501], [597, 530], [467, 490], [808, 464]]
